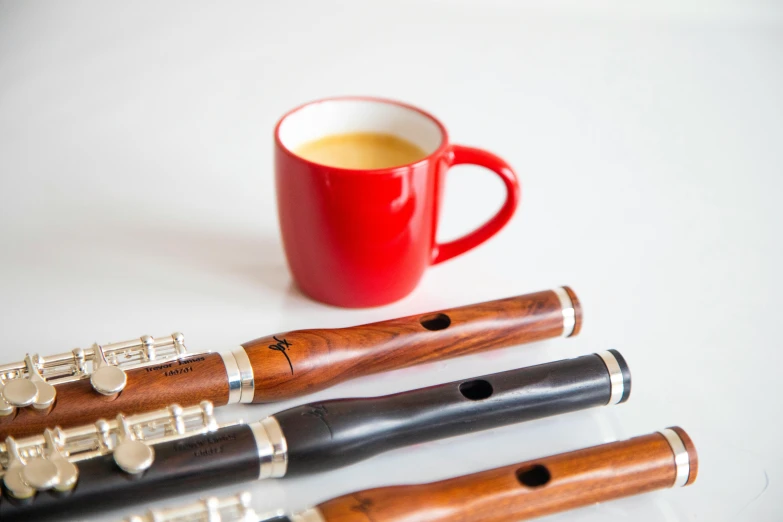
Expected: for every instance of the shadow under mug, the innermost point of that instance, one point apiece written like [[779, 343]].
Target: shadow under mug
[[358, 238]]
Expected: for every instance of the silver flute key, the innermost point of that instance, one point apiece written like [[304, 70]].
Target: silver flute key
[[227, 509], [33, 391], [49, 461], [32, 382], [235, 508], [6, 408], [105, 378], [12, 478]]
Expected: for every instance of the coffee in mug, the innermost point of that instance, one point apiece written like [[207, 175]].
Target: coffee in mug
[[361, 150]]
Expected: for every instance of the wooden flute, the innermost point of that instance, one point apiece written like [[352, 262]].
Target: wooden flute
[[145, 374], [178, 450], [512, 493]]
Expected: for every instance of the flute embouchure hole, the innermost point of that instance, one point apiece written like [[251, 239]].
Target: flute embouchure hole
[[476, 390], [435, 322], [534, 476]]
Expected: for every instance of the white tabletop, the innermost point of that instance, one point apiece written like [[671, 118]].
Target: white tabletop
[[136, 197]]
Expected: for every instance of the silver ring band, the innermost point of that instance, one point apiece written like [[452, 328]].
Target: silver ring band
[[272, 448], [567, 307], [615, 377], [309, 515], [681, 458], [234, 377], [246, 375]]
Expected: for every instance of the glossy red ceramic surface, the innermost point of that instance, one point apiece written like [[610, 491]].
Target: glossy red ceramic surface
[[364, 238]]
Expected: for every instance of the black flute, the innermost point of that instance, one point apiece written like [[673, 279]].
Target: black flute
[[308, 438]]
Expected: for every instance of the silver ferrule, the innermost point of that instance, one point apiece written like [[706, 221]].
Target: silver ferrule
[[567, 308], [308, 515], [616, 381], [234, 377], [681, 458], [247, 378], [272, 448], [241, 381]]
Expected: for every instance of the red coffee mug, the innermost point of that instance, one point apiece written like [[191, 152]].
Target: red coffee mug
[[359, 238]]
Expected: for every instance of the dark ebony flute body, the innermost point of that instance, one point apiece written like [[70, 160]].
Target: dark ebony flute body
[[335, 433]]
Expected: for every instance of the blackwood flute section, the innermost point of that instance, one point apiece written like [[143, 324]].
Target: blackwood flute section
[[519, 492], [81, 386], [314, 437]]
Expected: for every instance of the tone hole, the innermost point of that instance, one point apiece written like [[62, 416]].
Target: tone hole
[[476, 390], [533, 476], [435, 322]]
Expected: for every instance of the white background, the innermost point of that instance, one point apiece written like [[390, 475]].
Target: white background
[[136, 196]]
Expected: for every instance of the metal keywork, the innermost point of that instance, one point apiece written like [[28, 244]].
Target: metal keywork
[[105, 378], [12, 478], [34, 390], [48, 461], [51, 470], [6, 408], [131, 455], [235, 508], [33, 381], [40, 473]]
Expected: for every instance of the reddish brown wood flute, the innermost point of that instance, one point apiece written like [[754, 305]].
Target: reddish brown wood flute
[[84, 385], [530, 489]]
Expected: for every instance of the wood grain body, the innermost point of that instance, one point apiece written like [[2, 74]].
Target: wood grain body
[[147, 389], [299, 362], [578, 478]]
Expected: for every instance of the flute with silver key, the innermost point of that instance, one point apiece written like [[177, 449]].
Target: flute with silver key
[[83, 385], [177, 450], [518, 492]]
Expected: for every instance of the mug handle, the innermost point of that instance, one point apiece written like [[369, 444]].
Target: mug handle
[[461, 155]]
